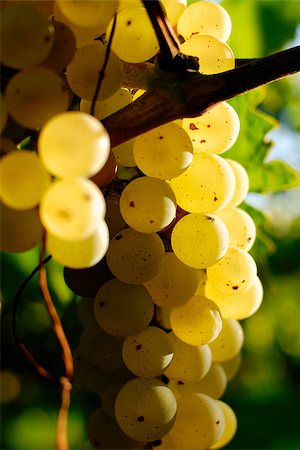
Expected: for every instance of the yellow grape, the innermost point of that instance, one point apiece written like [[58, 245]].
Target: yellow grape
[[135, 257], [72, 208], [105, 108], [190, 362], [34, 95], [83, 72], [214, 56], [123, 309], [124, 154], [83, 253], [44, 7], [88, 13], [229, 342], [26, 36], [148, 353], [134, 38], [240, 226], [234, 273], [199, 422], [3, 113], [230, 426], [164, 152], [145, 409], [113, 216], [21, 230], [241, 183], [231, 366], [148, 205], [174, 9], [200, 240], [206, 186], [215, 131], [162, 315], [175, 283], [205, 18], [63, 49], [197, 322], [23, 179], [72, 144]]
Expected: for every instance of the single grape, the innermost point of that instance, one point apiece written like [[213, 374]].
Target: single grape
[[229, 342], [240, 226], [174, 9], [63, 49], [107, 107], [230, 426], [241, 183], [89, 13]]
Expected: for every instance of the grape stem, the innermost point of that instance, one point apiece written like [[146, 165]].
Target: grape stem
[[172, 96]]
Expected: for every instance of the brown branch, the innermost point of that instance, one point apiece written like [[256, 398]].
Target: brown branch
[[62, 419]]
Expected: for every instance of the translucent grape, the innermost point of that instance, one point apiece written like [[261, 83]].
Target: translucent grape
[[215, 131], [200, 240], [175, 283], [241, 183], [190, 362], [106, 175], [83, 253], [199, 422], [174, 9], [63, 49], [20, 230], [148, 353], [214, 56], [205, 18], [124, 154], [123, 309], [241, 227], [3, 113], [105, 108], [73, 144], [72, 208], [145, 409], [162, 315], [230, 426], [197, 322], [27, 37], [148, 204], [113, 216], [135, 257], [23, 179], [164, 152], [234, 273], [231, 366], [206, 186], [83, 72], [229, 342], [34, 95], [134, 38], [88, 13], [239, 306]]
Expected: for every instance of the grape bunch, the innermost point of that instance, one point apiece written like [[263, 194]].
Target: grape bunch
[[160, 259]]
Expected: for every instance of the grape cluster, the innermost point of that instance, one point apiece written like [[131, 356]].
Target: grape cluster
[[162, 262]]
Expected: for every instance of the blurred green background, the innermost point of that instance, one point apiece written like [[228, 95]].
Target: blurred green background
[[266, 392]]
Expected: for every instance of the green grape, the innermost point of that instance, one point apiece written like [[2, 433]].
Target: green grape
[[73, 144], [231, 366], [134, 37], [23, 179], [215, 131], [234, 273], [3, 113], [123, 309], [240, 226], [212, 384], [148, 353], [174, 9], [82, 253], [72, 208], [104, 432], [206, 186], [26, 37], [113, 216], [124, 154], [145, 409], [148, 204], [89, 13], [200, 240], [20, 230], [239, 306], [190, 362], [214, 56], [135, 257], [34, 95], [229, 342], [197, 322], [83, 72], [63, 49], [205, 18], [199, 422], [164, 152], [175, 282], [105, 108], [241, 183], [230, 426]]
